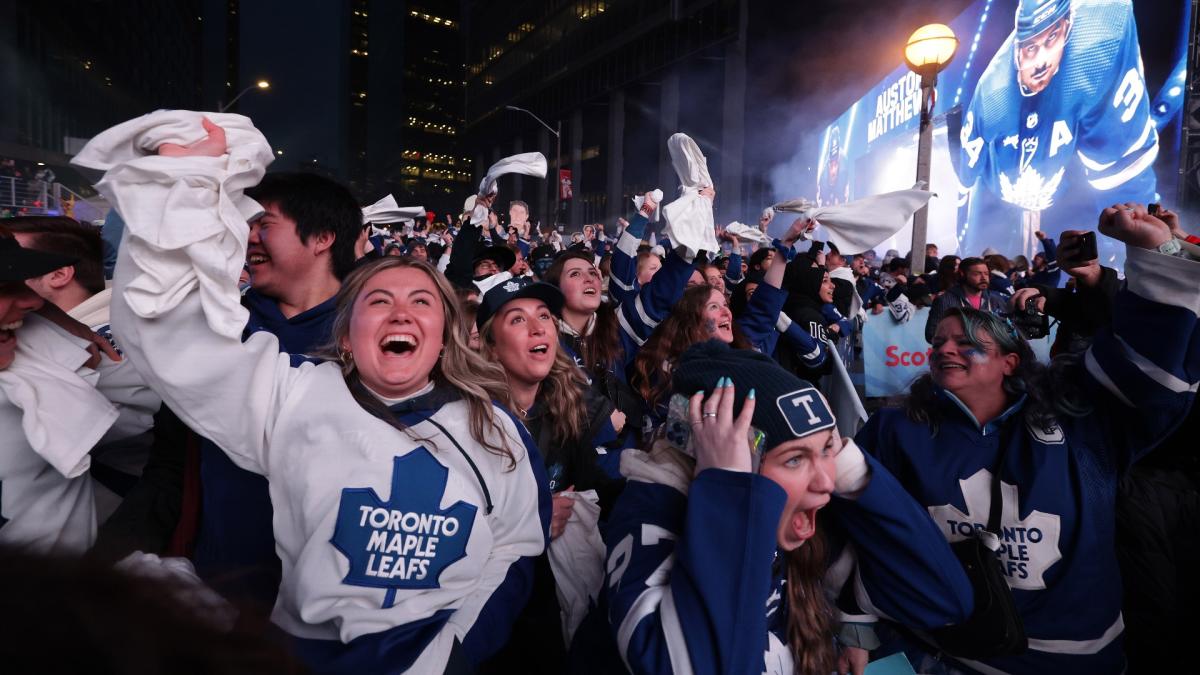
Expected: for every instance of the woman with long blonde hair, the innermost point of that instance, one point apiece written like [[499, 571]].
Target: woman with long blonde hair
[[408, 507], [518, 329]]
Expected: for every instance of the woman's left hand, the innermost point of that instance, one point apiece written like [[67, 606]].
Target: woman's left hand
[[852, 660], [720, 439]]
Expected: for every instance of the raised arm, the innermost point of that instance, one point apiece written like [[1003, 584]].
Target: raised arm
[[1143, 370], [175, 307]]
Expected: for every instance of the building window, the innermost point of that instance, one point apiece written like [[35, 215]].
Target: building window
[[590, 9]]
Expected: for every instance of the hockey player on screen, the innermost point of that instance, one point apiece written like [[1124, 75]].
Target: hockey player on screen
[[1068, 82]]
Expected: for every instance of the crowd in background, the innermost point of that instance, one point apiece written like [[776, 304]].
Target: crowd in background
[[250, 427]]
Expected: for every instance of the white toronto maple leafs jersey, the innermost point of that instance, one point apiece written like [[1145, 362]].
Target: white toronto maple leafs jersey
[[383, 535], [394, 544], [1095, 111], [1059, 481]]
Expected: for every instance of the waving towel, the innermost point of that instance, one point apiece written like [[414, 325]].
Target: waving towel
[[526, 163], [747, 233], [864, 223], [690, 218], [386, 210], [152, 186]]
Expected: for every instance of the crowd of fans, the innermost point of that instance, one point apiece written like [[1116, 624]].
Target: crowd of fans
[[248, 429]]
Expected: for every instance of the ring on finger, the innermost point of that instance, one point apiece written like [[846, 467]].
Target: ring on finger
[[709, 414]]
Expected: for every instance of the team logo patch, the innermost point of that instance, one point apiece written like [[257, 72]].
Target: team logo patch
[[805, 411], [512, 287], [407, 541], [1051, 434], [1028, 546]]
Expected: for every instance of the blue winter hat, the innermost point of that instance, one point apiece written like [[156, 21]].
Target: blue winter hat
[[1035, 16], [514, 289], [786, 408]]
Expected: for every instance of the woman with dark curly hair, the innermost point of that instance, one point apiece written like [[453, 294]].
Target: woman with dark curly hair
[[1057, 439]]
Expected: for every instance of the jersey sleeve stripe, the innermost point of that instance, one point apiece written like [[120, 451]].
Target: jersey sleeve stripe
[[1094, 369], [1152, 371], [1118, 179], [681, 661], [628, 330]]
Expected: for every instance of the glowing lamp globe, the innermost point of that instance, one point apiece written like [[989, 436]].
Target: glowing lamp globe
[[930, 48], [263, 84]]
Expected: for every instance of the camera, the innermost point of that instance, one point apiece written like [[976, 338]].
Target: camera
[[1033, 324]]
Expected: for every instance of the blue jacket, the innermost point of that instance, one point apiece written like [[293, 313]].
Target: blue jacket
[[1060, 480]]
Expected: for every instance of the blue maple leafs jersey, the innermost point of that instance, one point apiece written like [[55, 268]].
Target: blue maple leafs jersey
[[1095, 109], [1059, 482], [695, 583]]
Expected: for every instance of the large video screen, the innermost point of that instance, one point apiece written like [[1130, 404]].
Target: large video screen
[[1050, 111]]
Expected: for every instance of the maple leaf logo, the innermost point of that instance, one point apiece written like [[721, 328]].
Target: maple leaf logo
[[1028, 547], [409, 540]]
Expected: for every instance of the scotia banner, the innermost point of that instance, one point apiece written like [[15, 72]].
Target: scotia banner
[[895, 354]]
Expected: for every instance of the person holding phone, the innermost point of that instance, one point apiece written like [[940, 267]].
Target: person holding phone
[[716, 561], [1083, 310], [1058, 438]]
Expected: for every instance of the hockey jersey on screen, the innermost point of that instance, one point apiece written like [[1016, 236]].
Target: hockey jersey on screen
[[1059, 480], [1019, 145]]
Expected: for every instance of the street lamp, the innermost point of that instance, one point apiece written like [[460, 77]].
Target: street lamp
[[928, 51], [261, 84], [557, 157]]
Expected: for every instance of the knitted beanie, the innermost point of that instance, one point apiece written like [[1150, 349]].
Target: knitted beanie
[[786, 407]]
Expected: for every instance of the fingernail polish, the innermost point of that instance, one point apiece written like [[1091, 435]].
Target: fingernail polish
[[750, 396]]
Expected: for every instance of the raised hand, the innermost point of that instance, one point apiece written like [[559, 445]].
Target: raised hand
[[212, 145], [1132, 224], [800, 226], [721, 440]]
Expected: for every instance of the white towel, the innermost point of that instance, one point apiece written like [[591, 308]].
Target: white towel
[[143, 187], [864, 223], [386, 210], [747, 233], [577, 561], [658, 197], [488, 283], [690, 218], [62, 413], [526, 163]]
